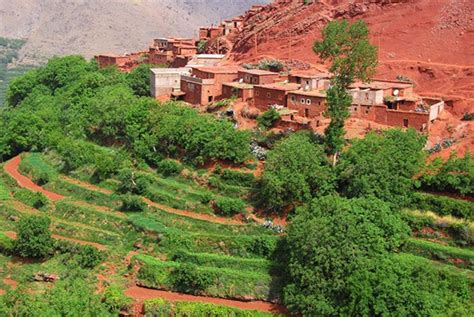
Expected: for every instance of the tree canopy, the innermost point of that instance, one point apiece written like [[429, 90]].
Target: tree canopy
[[295, 171], [34, 238]]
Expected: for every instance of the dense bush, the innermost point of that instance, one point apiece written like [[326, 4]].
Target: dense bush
[[157, 307], [238, 178], [229, 206], [34, 238], [169, 167], [188, 279], [89, 257], [115, 300], [382, 165], [37, 169], [295, 171], [34, 199], [268, 118], [456, 175], [133, 182], [132, 203], [443, 205]]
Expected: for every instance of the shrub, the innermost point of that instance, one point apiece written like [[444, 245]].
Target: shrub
[[229, 206], [115, 300], [133, 182], [443, 205], [89, 257], [264, 246], [35, 200], [157, 307], [6, 244], [273, 65], [238, 178], [187, 309], [34, 238], [169, 167], [132, 203], [187, 279], [268, 118]]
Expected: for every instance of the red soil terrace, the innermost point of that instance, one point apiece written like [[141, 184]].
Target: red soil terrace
[[140, 294]]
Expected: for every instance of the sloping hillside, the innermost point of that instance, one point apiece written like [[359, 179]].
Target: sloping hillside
[[430, 41], [87, 27]]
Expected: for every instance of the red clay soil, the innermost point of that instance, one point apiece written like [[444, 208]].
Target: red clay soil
[[10, 282], [11, 167], [2, 292], [140, 294]]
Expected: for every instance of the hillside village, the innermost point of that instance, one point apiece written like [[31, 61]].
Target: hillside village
[[299, 95]]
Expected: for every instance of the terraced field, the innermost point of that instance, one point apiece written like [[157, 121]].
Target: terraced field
[[148, 252]]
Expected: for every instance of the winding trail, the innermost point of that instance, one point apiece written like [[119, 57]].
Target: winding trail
[[140, 294], [11, 167]]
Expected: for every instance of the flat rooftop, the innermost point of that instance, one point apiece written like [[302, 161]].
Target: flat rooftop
[[309, 93], [310, 74], [259, 72], [280, 86], [382, 84], [219, 69], [180, 70], [236, 84], [210, 56]]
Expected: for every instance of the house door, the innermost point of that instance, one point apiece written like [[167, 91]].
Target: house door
[[306, 112], [405, 123]]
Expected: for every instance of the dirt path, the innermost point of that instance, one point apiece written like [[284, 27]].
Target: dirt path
[[86, 185], [140, 294], [13, 235], [11, 167]]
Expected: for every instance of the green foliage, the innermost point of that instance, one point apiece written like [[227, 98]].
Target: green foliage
[[382, 165], [37, 169], [352, 56], [295, 171], [34, 238], [455, 175], [330, 241], [33, 199], [460, 257], [273, 65], [185, 309], [201, 46], [229, 206], [132, 203], [89, 257], [73, 297], [238, 178], [6, 244], [139, 80], [4, 192], [133, 182], [443, 205], [157, 307], [268, 118], [115, 300], [187, 279], [169, 167]]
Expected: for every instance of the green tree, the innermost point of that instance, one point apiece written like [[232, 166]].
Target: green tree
[[34, 238], [268, 118], [295, 171], [328, 242], [383, 165], [352, 56], [139, 80]]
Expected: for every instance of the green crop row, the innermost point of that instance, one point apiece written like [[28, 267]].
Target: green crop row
[[4, 192], [459, 257], [223, 261], [443, 205], [162, 308], [37, 169], [208, 281]]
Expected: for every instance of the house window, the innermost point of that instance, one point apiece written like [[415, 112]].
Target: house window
[[269, 95], [308, 101], [257, 93], [293, 99], [302, 101]]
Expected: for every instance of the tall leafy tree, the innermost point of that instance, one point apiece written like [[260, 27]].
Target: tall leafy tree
[[352, 56], [296, 170]]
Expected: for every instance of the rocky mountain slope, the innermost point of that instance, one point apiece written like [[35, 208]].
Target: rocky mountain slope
[[429, 41], [59, 27]]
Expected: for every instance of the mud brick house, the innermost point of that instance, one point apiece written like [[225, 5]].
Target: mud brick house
[[317, 81], [308, 104], [210, 33], [161, 43], [157, 56], [257, 76], [266, 96], [125, 62], [205, 83], [240, 90], [393, 103], [165, 81], [232, 24]]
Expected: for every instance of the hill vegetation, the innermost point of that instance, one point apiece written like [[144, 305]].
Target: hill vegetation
[[118, 189]]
